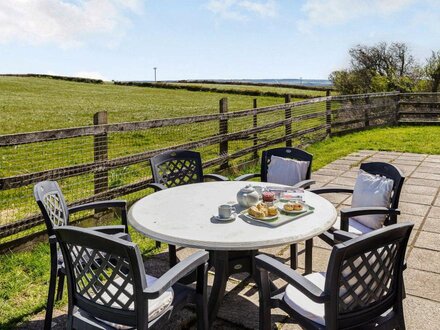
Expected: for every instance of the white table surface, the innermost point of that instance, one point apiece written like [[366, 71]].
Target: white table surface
[[183, 216]]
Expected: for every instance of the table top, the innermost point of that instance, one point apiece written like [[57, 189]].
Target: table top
[[183, 216]]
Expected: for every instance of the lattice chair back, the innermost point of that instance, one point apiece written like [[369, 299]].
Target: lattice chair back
[[177, 167], [364, 276], [285, 152], [52, 204], [391, 172], [105, 276]]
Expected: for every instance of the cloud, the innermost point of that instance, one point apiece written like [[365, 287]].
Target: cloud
[[90, 74], [335, 12], [242, 10], [65, 23]]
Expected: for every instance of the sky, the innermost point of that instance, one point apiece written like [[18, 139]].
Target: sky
[[205, 39]]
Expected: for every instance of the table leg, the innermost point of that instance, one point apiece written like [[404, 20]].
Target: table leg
[[309, 256], [221, 265], [227, 263]]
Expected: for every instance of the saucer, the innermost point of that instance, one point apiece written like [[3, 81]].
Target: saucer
[[232, 217]]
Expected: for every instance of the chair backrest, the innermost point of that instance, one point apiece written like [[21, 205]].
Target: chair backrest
[[391, 172], [364, 276], [105, 276], [52, 204], [292, 153], [177, 167]]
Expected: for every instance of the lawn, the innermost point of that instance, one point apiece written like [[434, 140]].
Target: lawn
[[32, 104], [24, 275], [250, 87]]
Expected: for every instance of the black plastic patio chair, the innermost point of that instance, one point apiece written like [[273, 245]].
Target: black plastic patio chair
[[285, 152], [108, 287], [179, 167], [362, 288], [55, 213], [292, 153], [176, 168], [345, 223]]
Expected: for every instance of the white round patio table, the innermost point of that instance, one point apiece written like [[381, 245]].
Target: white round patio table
[[183, 216]]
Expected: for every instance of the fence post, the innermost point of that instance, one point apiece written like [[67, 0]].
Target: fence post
[[223, 129], [397, 111], [100, 152], [255, 124], [288, 115], [328, 114], [367, 111]]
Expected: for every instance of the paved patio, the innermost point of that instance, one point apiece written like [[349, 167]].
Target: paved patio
[[420, 203]]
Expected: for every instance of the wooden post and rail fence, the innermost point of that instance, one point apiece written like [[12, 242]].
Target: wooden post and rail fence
[[327, 116]]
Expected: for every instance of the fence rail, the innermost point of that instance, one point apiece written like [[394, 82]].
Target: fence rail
[[104, 160]]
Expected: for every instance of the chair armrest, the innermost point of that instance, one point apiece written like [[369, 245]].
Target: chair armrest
[[346, 214], [52, 239], [156, 186], [98, 205], [124, 236], [331, 190], [342, 236], [248, 176], [292, 277], [109, 230], [355, 211], [177, 272], [122, 205], [304, 184], [216, 177]]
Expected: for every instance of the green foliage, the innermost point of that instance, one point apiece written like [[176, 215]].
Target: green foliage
[[347, 82], [379, 68], [432, 71]]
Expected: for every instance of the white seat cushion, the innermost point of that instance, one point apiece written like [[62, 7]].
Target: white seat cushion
[[353, 227], [286, 171], [303, 305], [371, 191], [156, 307]]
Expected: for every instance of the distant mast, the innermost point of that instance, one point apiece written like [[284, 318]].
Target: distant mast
[[155, 69]]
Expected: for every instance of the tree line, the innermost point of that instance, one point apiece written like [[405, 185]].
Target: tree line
[[387, 67]]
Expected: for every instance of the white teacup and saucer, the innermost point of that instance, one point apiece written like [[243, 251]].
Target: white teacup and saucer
[[226, 213]]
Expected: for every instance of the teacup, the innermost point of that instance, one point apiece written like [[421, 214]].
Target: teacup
[[225, 211]]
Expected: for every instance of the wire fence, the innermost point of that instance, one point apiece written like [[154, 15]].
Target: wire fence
[[106, 161]]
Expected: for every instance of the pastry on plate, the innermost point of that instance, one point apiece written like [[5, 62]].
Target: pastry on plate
[[255, 212], [289, 207], [272, 211]]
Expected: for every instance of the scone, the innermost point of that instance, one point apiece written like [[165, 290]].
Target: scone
[[297, 206], [288, 207], [255, 212], [263, 208], [272, 211]]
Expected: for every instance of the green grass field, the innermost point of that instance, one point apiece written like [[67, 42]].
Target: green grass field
[[32, 104], [24, 275], [281, 90]]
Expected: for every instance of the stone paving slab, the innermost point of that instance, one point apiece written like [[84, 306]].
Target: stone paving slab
[[420, 203]]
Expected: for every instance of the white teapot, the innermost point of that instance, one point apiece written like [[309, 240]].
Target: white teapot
[[247, 196]]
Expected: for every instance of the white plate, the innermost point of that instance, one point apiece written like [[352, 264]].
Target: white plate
[[273, 217], [232, 217], [281, 208]]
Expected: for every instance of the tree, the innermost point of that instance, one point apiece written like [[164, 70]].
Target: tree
[[378, 68], [432, 70]]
